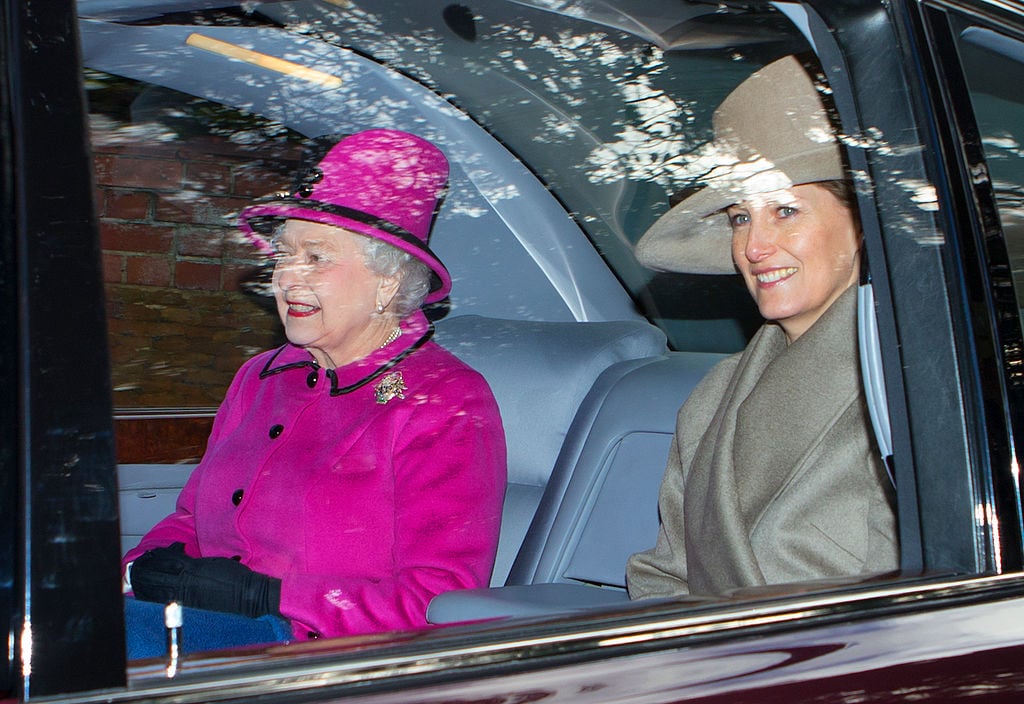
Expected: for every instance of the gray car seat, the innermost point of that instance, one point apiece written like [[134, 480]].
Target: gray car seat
[[600, 505], [540, 373]]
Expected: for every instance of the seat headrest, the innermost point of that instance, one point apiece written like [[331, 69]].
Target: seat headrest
[[540, 372]]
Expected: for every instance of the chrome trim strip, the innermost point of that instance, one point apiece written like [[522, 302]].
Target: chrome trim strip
[[982, 9], [548, 642], [162, 413]]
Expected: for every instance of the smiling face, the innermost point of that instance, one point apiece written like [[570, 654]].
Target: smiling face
[[326, 296], [797, 251]]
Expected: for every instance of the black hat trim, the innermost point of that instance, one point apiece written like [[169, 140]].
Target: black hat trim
[[264, 225]]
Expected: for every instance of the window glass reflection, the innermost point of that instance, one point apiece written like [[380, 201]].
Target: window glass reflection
[[994, 66], [183, 304]]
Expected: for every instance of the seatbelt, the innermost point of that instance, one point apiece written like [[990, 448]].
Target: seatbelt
[[873, 377]]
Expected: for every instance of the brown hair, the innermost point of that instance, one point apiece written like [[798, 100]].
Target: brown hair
[[842, 189]]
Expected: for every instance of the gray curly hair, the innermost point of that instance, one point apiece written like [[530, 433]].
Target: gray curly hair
[[384, 259]]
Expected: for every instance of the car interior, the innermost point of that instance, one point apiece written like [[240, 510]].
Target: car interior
[[588, 354]]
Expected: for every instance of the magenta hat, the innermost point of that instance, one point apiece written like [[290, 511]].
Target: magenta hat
[[379, 183]]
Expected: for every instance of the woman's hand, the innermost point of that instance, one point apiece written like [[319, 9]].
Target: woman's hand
[[212, 583]]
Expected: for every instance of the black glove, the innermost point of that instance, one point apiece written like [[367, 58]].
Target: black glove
[[156, 575], [213, 583]]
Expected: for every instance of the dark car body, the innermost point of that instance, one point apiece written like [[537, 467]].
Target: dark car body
[[930, 95]]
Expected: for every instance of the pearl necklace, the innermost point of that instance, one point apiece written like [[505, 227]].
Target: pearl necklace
[[392, 336]]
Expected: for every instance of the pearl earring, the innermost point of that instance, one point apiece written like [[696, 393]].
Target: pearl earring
[[380, 307]]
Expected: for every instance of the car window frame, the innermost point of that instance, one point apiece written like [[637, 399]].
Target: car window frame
[[1003, 291], [938, 529], [66, 570], [989, 324], [10, 484]]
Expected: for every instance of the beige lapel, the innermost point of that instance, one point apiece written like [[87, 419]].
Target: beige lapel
[[802, 393], [782, 397], [718, 547]]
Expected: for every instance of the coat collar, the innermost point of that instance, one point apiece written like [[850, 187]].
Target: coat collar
[[780, 402], [416, 331], [800, 392]]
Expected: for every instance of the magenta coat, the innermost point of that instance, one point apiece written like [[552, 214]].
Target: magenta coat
[[365, 504]]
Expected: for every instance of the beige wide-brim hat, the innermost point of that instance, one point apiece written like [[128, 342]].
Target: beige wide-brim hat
[[771, 133]]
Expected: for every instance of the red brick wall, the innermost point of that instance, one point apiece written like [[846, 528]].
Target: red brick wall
[[180, 315]]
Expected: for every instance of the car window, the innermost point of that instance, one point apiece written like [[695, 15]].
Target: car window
[[994, 67], [567, 131], [184, 293], [569, 128], [171, 171]]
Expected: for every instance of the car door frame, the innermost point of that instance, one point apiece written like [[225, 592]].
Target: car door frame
[[991, 321], [59, 488], [66, 616]]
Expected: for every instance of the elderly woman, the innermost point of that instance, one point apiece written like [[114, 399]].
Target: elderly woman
[[773, 475], [357, 471]]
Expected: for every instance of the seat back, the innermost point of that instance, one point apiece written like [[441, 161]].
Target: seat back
[[145, 494], [601, 504], [540, 373]]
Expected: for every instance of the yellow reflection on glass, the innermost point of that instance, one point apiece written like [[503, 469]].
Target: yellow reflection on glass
[[289, 68]]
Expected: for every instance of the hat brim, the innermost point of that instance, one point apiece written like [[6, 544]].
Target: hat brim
[[695, 237], [259, 221]]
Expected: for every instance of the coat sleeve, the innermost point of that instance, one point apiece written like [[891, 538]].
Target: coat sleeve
[[180, 527], [449, 474], [661, 571]]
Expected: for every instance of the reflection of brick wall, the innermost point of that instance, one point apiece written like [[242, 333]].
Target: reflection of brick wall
[[181, 320]]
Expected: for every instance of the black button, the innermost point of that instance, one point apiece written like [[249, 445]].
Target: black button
[[236, 498], [275, 431], [236, 558], [313, 377], [313, 635]]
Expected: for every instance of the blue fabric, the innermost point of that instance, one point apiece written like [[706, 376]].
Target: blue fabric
[[146, 636]]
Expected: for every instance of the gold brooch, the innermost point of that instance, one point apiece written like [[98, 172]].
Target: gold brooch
[[391, 386]]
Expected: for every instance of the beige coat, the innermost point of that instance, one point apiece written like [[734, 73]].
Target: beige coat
[[773, 476]]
